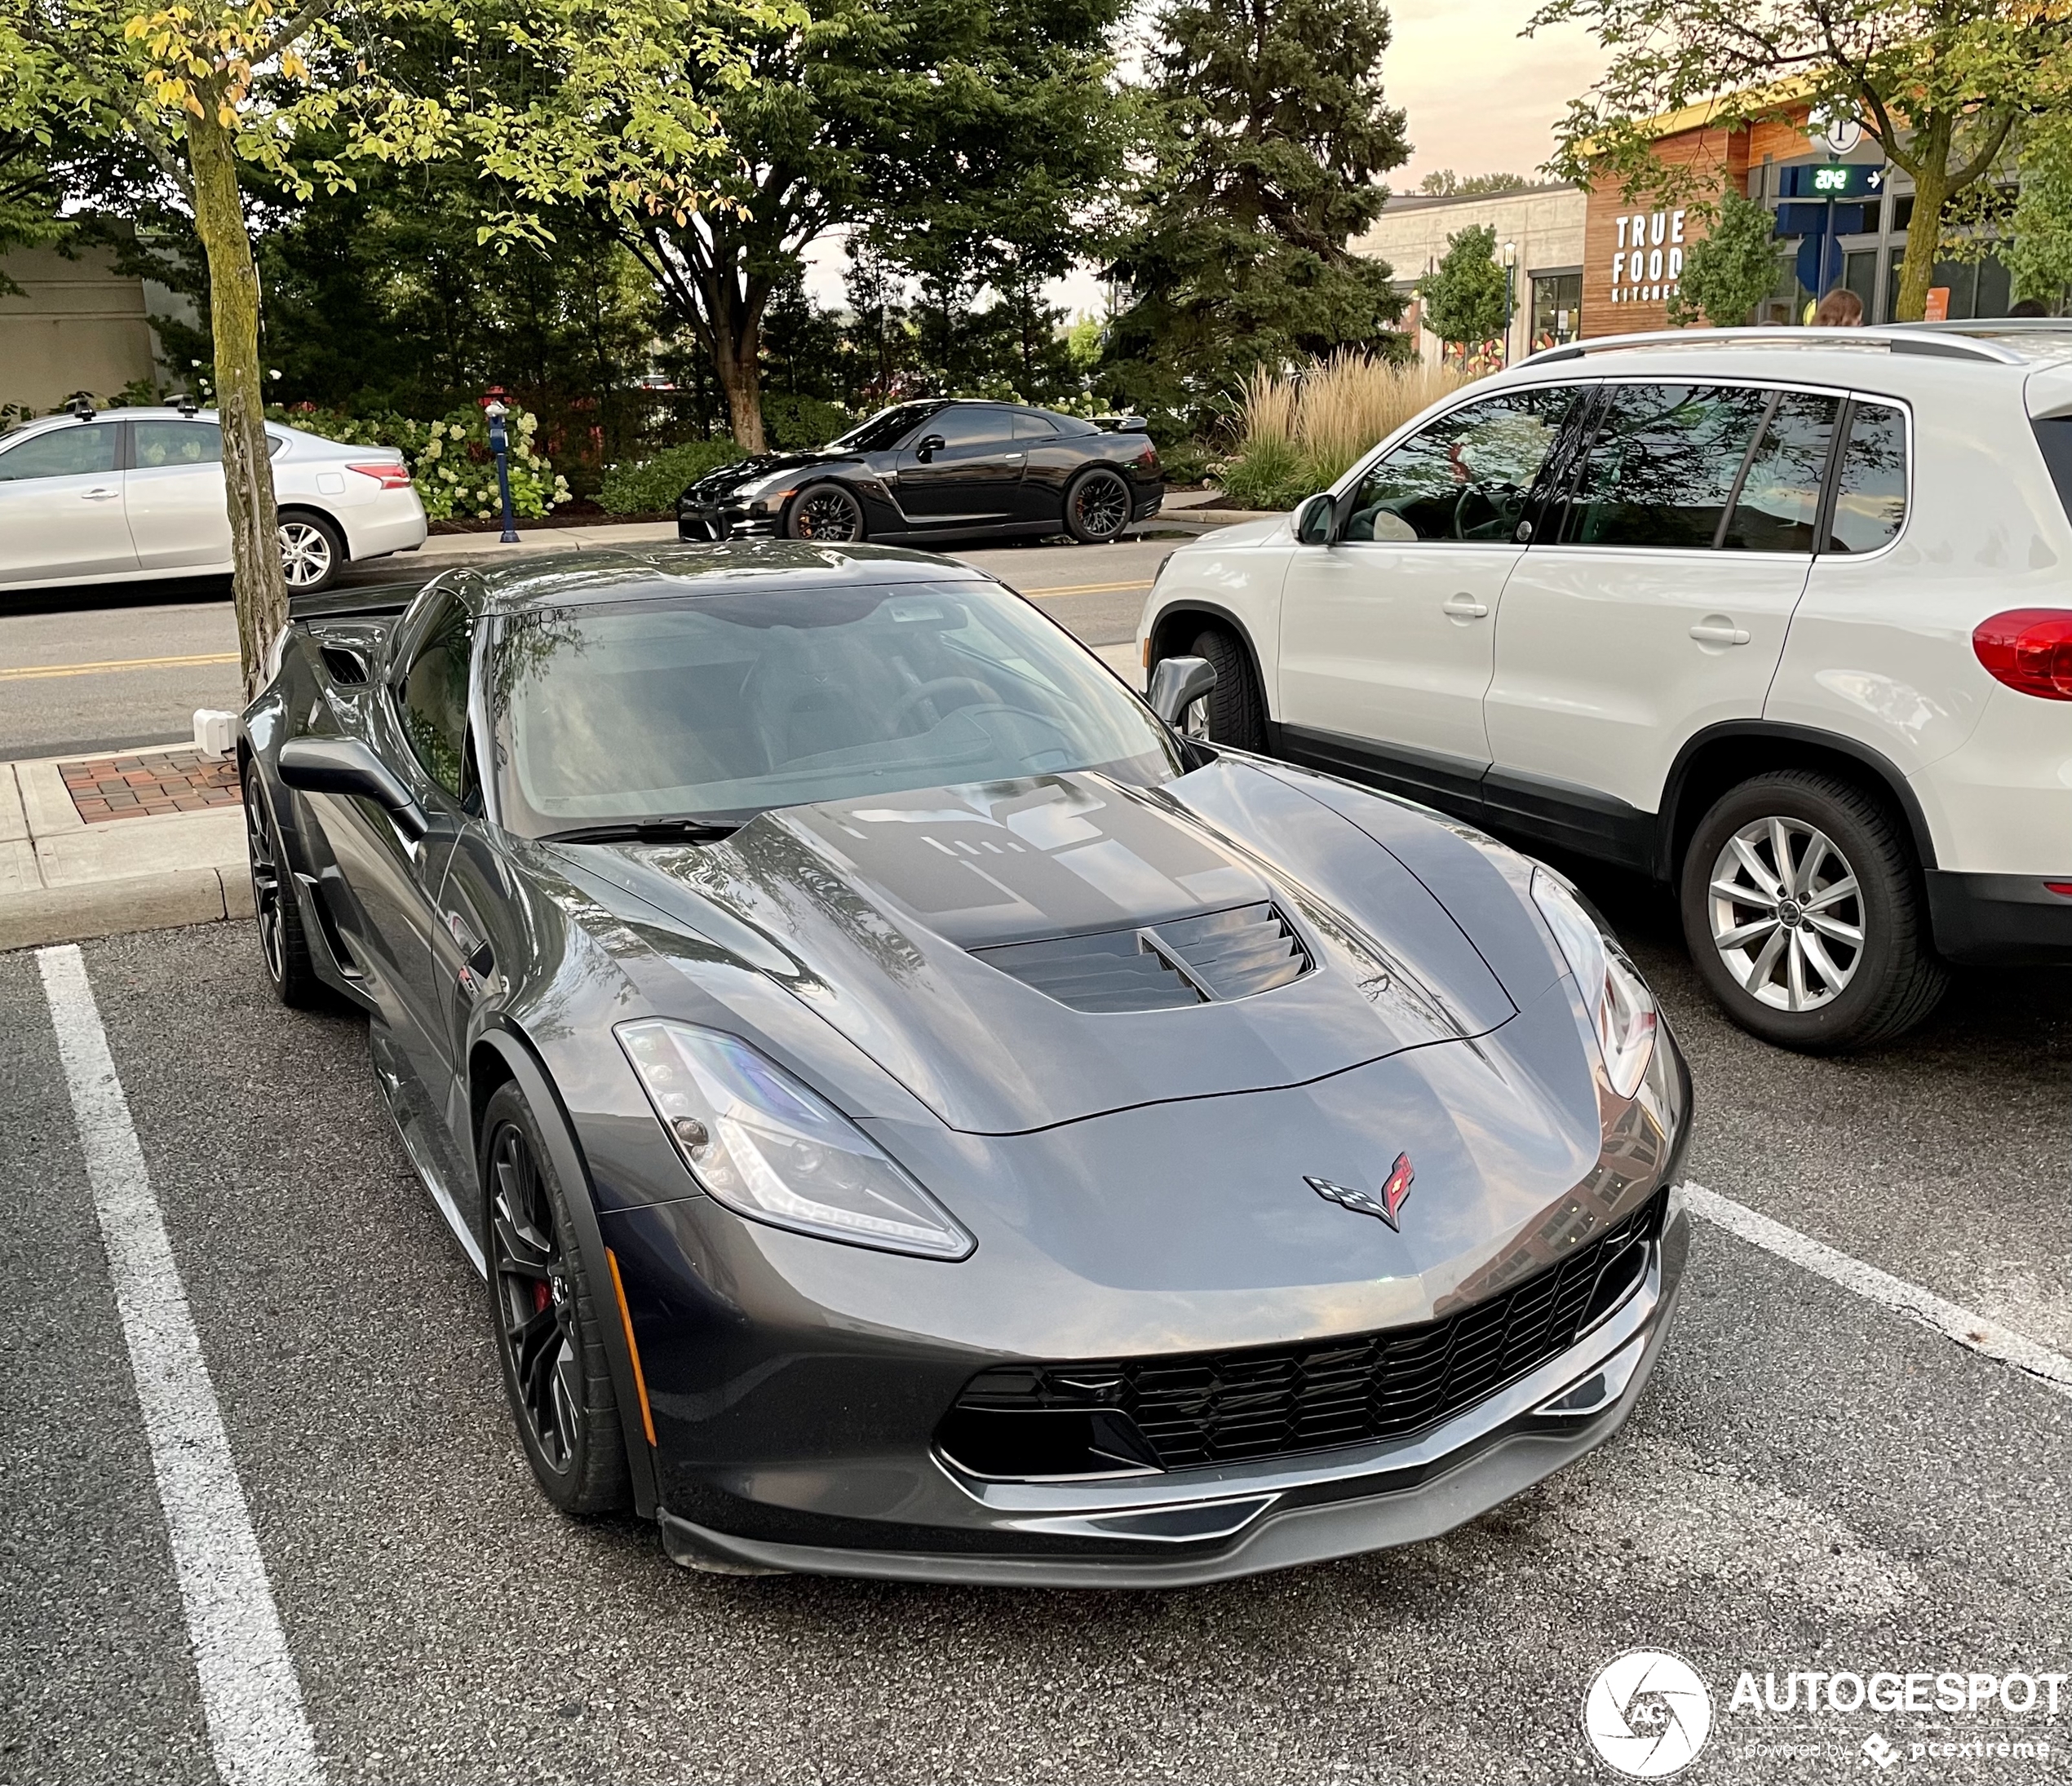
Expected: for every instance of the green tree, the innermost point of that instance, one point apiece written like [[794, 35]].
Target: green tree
[[962, 136], [1466, 299], [1268, 136], [1939, 83], [2040, 255], [1445, 183], [1732, 265], [216, 92]]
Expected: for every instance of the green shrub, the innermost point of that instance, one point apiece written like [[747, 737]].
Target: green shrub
[[652, 486], [450, 459], [790, 423], [1271, 474], [1187, 461]]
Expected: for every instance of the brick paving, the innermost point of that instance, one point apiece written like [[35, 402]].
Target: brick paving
[[156, 781]]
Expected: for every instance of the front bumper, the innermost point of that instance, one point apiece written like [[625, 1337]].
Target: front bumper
[[1210, 1524], [722, 521]]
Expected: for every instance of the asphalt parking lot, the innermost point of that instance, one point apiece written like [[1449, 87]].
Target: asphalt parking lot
[[1815, 1481]]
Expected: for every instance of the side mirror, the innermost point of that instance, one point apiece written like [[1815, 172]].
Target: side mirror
[[345, 766], [1177, 683], [927, 446], [1317, 520]]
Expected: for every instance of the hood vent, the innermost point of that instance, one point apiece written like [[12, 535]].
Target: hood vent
[[1193, 961]]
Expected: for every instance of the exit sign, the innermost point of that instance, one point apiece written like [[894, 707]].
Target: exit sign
[[1835, 180]]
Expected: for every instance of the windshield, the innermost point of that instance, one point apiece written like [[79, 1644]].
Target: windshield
[[888, 428], [721, 707]]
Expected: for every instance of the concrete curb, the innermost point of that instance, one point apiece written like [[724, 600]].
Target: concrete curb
[[158, 901]]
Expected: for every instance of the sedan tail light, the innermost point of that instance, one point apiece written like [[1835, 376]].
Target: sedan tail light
[[2028, 648], [389, 477]]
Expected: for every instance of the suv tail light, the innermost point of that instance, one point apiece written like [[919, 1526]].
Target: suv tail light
[[2028, 648], [389, 477]]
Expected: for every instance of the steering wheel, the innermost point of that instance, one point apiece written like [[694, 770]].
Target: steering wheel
[[926, 691], [1488, 495]]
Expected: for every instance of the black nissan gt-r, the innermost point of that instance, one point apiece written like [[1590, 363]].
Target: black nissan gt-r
[[922, 1113], [939, 469]]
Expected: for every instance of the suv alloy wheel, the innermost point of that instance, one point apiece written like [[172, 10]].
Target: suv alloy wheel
[[1803, 913]]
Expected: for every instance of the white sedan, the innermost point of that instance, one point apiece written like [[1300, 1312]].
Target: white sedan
[[134, 495]]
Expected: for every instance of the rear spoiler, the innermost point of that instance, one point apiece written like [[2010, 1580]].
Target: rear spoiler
[[369, 599], [1123, 424]]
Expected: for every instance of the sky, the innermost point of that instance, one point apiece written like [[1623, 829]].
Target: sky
[[1482, 100]]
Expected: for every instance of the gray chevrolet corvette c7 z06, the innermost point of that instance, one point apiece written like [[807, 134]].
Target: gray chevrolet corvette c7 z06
[[920, 1114]]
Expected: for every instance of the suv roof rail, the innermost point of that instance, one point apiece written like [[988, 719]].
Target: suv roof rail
[[1930, 338]]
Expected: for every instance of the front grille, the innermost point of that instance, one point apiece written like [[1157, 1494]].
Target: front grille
[[1190, 960], [1228, 1407]]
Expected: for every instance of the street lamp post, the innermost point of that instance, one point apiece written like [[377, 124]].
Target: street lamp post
[[495, 408]]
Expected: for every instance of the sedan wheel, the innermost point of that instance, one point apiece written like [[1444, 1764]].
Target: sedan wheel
[[1802, 910], [311, 553], [1097, 506], [555, 1371], [825, 512]]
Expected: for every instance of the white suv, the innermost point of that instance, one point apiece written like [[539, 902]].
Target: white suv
[[1783, 616], [134, 495]]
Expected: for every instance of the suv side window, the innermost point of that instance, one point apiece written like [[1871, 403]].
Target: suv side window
[[1870, 490], [1465, 476], [1663, 467], [431, 698], [63, 453], [1777, 508]]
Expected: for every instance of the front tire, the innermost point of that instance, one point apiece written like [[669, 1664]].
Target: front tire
[[1804, 915], [284, 944], [826, 513], [546, 1311], [1097, 506], [1234, 712], [312, 552]]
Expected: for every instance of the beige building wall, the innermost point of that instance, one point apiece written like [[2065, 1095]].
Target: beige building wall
[[1546, 224], [75, 325]]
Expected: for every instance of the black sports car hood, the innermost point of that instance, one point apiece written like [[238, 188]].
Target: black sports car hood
[[1027, 953], [730, 478]]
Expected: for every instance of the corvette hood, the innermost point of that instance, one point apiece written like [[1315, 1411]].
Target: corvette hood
[[906, 920]]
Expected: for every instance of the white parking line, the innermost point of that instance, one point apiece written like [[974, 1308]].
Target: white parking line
[[250, 1693], [1966, 1328]]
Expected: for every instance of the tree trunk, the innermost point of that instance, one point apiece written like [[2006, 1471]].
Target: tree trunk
[[1924, 231], [736, 359], [261, 594]]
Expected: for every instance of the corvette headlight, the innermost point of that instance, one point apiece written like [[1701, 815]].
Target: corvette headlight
[[772, 1149], [1621, 1008]]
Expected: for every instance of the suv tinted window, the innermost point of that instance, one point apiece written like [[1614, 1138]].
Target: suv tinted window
[[1663, 467], [1871, 492], [63, 453], [433, 698], [1778, 504], [1465, 476], [175, 442]]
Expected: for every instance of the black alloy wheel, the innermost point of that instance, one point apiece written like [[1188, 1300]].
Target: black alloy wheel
[[284, 944], [825, 511], [555, 1372], [1097, 506]]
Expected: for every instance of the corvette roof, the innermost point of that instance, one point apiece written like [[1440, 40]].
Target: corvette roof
[[730, 567]]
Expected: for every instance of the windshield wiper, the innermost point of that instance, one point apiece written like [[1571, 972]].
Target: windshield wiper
[[645, 831]]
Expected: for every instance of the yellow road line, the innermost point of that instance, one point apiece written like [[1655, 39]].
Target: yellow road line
[[1088, 589], [30, 672]]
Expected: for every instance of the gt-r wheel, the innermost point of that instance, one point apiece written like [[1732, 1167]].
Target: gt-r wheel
[[1097, 506], [1803, 916], [826, 512], [1235, 713], [312, 553], [284, 945], [555, 1372]]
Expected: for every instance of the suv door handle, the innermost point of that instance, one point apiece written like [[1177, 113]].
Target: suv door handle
[[1464, 607], [99, 495], [1717, 629]]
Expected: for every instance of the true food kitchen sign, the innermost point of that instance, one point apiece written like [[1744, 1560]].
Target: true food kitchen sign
[[1647, 263]]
